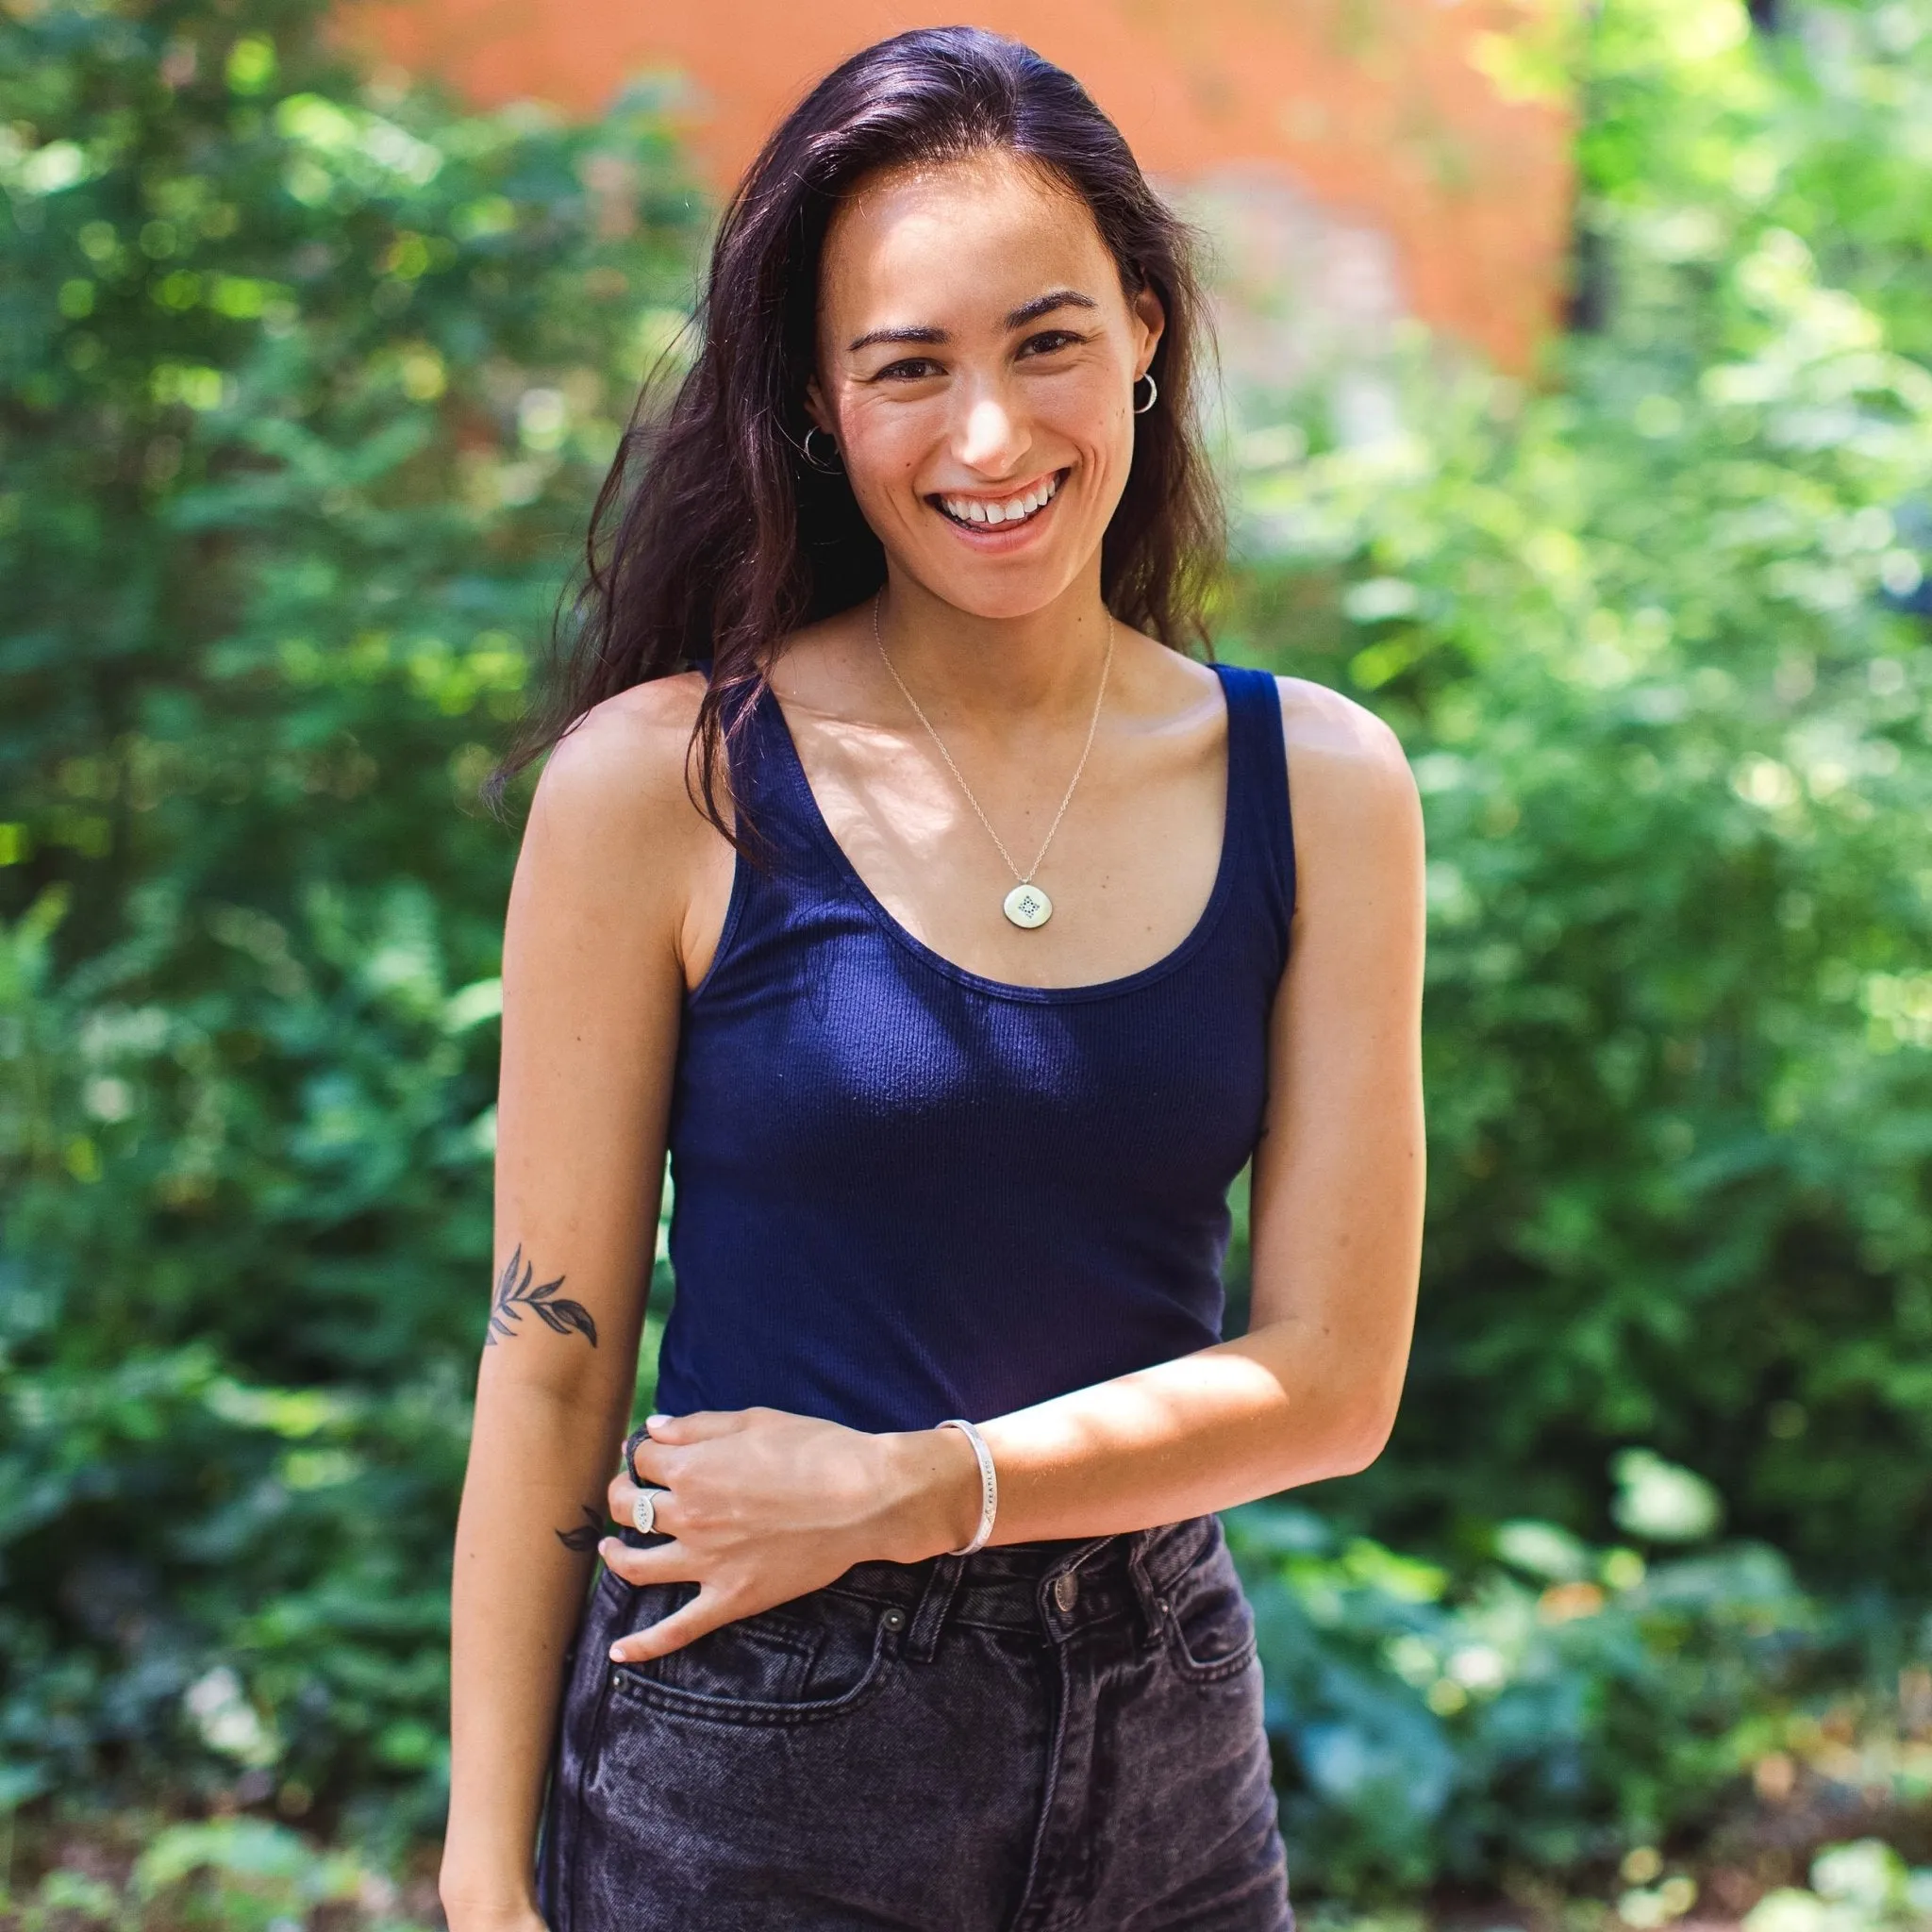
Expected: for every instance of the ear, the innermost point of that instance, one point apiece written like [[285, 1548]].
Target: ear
[[1150, 320], [815, 408]]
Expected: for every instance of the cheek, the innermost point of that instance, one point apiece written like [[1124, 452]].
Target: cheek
[[1086, 406], [1091, 420], [883, 445]]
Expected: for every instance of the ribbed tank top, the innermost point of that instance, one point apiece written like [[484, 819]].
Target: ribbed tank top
[[904, 1191]]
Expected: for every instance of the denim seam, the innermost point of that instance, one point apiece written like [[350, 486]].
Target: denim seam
[[1050, 1792], [1164, 1570], [1213, 1669], [587, 1760], [935, 1603], [753, 1713]]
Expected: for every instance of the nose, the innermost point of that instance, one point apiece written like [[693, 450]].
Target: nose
[[993, 435]]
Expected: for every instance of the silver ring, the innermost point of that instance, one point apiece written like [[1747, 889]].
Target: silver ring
[[643, 1512]]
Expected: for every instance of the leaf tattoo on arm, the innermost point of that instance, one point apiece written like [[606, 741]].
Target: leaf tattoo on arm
[[587, 1535], [514, 1295]]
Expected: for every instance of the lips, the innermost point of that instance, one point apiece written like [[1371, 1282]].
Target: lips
[[989, 513]]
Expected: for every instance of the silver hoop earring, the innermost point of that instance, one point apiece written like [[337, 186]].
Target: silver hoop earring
[[832, 468], [1152, 393]]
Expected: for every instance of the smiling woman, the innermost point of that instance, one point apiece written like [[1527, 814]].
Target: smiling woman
[[995, 419], [920, 1616]]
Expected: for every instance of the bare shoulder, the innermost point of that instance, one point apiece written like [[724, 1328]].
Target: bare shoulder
[[619, 771], [616, 852], [1348, 780], [1335, 741]]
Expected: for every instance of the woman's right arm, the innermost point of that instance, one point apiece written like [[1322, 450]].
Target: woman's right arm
[[616, 869]]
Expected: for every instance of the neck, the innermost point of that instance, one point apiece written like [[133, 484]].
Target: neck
[[969, 666]]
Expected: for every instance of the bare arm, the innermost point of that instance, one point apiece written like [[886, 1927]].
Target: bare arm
[[1311, 1390], [765, 1506], [592, 983]]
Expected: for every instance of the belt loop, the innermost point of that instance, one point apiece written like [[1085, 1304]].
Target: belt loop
[[1152, 1610], [922, 1640]]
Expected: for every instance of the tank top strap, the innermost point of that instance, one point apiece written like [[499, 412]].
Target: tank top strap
[[1258, 799], [1260, 822], [771, 785]]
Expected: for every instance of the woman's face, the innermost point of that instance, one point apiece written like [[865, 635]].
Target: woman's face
[[976, 359]]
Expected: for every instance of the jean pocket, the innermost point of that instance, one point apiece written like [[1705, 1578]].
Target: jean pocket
[[804, 1661], [1210, 1628]]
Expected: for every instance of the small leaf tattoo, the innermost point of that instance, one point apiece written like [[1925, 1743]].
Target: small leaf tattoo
[[587, 1535], [513, 1296]]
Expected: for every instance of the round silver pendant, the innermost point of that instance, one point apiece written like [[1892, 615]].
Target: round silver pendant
[[1028, 906]]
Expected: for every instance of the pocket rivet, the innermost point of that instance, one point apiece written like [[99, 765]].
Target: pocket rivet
[[1161, 1605], [894, 1620], [1066, 1590]]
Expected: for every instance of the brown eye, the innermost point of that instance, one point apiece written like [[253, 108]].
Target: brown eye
[[912, 369], [1048, 341]]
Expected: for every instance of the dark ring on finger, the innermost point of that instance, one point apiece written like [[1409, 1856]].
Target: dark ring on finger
[[632, 1443]]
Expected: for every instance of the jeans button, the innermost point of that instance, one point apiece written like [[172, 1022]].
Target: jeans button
[[1066, 1590]]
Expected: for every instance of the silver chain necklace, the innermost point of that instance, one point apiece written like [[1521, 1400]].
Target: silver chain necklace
[[1027, 905]]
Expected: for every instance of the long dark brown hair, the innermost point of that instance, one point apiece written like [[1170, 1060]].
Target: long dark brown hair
[[713, 538]]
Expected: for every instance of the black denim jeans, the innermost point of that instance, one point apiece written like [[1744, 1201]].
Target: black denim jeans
[[1039, 1736]]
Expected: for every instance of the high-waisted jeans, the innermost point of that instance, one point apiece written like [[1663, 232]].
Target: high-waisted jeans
[[1041, 1737]]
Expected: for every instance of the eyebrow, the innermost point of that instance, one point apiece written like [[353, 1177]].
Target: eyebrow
[[1027, 311], [1045, 305]]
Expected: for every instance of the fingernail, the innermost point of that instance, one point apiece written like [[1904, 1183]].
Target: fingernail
[[617, 1653], [651, 1422], [608, 1547]]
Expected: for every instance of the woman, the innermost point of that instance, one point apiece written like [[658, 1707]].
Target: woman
[[895, 866]]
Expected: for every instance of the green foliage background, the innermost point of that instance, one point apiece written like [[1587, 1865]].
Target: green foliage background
[[1655, 640], [308, 393], [307, 386]]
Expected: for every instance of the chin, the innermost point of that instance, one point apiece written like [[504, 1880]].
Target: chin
[[994, 595]]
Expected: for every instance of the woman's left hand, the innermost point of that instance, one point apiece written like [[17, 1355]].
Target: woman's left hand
[[762, 1507]]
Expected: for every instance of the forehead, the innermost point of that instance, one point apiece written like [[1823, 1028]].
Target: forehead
[[975, 237]]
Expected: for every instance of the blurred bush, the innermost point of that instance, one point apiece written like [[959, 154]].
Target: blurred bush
[[1653, 634], [308, 385], [1558, 1709]]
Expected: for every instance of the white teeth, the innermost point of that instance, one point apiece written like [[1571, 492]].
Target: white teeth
[[974, 509]]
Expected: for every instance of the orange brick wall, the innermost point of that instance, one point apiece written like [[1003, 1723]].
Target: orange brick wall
[[1374, 110]]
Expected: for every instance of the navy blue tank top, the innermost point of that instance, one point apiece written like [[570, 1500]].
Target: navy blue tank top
[[905, 1192]]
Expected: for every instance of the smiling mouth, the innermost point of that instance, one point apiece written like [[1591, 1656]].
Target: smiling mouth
[[999, 513]]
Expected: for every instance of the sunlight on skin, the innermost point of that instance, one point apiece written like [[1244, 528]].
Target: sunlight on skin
[[1143, 838], [975, 336], [982, 407], [928, 811]]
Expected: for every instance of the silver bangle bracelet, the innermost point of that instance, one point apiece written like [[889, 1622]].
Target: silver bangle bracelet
[[989, 1486]]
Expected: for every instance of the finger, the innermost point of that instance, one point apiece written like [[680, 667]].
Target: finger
[[621, 1496], [706, 1611], [667, 1562], [699, 1426], [632, 1443], [655, 1461]]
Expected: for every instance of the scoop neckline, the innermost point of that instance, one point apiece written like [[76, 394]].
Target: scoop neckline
[[909, 942]]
